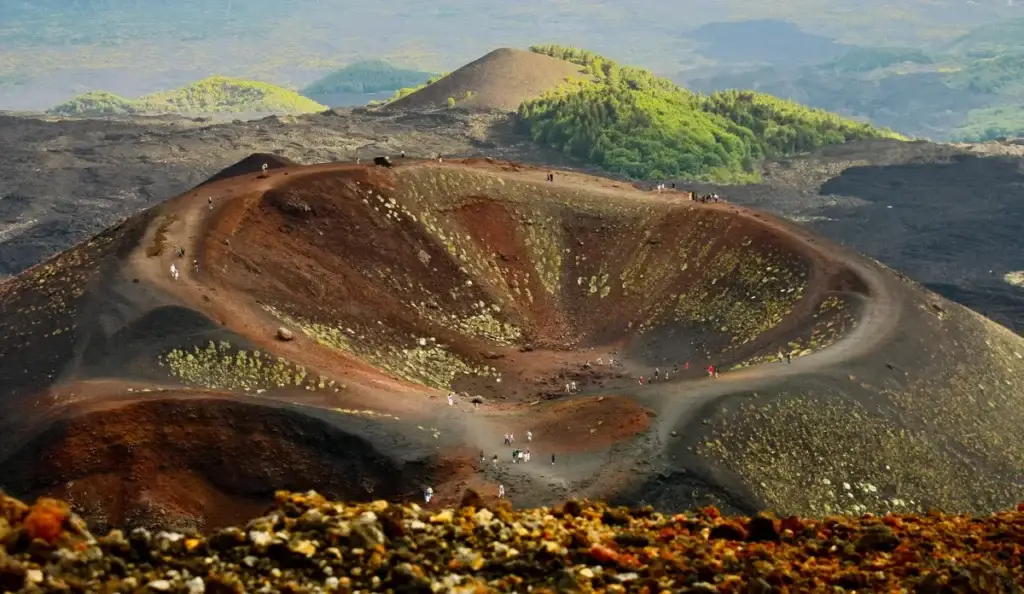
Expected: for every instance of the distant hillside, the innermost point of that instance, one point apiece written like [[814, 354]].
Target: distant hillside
[[866, 59], [210, 95], [990, 123], [368, 76], [629, 121], [765, 41], [990, 40], [502, 79]]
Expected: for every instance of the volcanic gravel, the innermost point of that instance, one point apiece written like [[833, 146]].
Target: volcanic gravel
[[308, 544]]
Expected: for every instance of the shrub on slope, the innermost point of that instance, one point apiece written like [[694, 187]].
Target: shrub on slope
[[210, 95], [222, 93], [369, 76], [635, 123], [96, 103]]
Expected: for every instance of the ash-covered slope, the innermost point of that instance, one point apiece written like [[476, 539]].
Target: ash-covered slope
[[348, 300], [501, 79]]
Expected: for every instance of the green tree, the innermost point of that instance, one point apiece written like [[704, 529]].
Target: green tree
[[631, 122]]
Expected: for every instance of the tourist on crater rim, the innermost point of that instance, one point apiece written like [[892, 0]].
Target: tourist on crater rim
[[428, 494], [529, 435], [501, 491]]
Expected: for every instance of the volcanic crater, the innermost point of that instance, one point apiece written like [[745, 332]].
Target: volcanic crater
[[320, 315]]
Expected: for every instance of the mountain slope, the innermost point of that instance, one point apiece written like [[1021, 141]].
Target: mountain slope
[[368, 76], [211, 95], [322, 313], [632, 122], [502, 79]]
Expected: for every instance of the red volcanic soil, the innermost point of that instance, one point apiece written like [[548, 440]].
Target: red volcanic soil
[[394, 286]]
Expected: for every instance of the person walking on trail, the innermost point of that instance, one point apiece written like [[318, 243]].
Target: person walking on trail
[[494, 460], [641, 380], [501, 491], [657, 372], [482, 457], [264, 168], [209, 201], [508, 440], [174, 272], [711, 371], [572, 385], [195, 266], [552, 459], [526, 456], [515, 456], [511, 438], [529, 436], [451, 399], [789, 358], [428, 494]]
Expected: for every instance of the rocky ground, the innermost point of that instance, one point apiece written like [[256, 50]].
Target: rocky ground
[[948, 216], [308, 544]]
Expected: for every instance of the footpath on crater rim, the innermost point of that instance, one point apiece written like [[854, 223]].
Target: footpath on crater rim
[[306, 543], [313, 321]]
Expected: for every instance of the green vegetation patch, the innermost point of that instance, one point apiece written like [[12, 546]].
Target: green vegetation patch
[[220, 366], [991, 40], [866, 59], [482, 323], [824, 454], [739, 292], [975, 402], [990, 76], [990, 123], [368, 76], [832, 320], [631, 122], [416, 359], [215, 94]]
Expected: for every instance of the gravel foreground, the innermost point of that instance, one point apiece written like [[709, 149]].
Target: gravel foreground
[[306, 543]]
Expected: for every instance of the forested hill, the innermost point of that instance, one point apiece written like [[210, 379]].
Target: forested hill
[[629, 121], [214, 94]]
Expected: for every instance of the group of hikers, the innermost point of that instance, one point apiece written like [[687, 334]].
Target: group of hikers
[[659, 376], [180, 252], [694, 196], [706, 198]]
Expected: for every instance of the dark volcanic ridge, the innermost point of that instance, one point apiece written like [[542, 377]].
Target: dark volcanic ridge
[[321, 315]]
